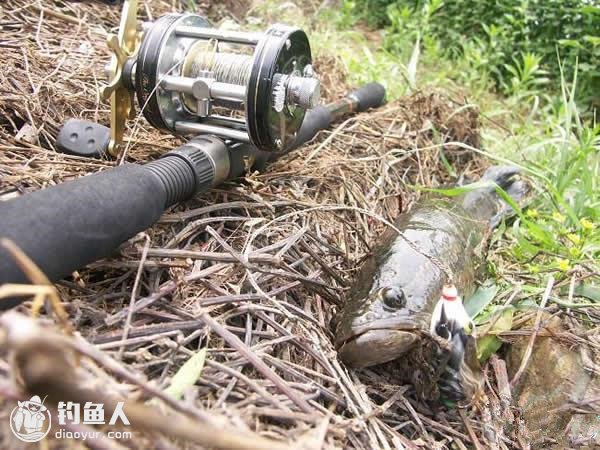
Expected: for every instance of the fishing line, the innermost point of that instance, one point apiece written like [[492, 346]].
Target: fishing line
[[136, 126]]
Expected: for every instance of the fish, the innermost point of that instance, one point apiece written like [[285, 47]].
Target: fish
[[440, 241]]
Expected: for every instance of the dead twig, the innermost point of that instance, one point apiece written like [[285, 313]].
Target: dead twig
[[536, 329]]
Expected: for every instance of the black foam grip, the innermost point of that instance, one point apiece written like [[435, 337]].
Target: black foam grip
[[67, 226], [371, 95], [315, 120]]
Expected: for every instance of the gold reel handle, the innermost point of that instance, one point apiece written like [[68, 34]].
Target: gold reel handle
[[124, 46]]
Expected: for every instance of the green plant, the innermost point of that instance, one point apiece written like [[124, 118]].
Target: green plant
[[347, 15], [497, 31], [561, 228], [527, 78], [408, 25]]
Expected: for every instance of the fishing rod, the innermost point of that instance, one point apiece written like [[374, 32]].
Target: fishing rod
[[184, 74]]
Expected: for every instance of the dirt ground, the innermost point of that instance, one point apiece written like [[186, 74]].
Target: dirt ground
[[284, 247]]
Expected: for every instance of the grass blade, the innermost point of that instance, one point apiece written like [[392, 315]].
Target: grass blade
[[187, 375]]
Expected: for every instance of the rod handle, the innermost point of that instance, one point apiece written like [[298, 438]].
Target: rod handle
[[371, 95], [64, 227]]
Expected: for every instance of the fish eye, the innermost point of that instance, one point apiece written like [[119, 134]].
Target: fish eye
[[393, 298]]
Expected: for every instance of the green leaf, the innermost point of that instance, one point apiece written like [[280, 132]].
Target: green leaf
[[489, 344], [584, 290], [570, 43], [589, 10], [459, 190], [594, 40], [187, 375], [524, 245], [480, 299], [540, 234]]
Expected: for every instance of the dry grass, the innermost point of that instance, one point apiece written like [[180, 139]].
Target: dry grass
[[255, 270]]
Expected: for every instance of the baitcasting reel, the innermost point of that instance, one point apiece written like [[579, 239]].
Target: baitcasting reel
[[190, 79]]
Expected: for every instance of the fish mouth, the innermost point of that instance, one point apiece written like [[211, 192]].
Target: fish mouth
[[376, 346]]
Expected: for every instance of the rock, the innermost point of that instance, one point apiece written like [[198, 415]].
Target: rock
[[556, 381]]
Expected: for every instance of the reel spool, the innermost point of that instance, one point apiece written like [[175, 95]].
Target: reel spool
[[183, 72]]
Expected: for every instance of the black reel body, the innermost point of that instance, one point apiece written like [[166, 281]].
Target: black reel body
[[192, 79]]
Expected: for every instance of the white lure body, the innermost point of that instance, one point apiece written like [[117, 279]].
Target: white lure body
[[453, 310]]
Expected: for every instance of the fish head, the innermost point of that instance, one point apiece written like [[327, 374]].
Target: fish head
[[389, 314]]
